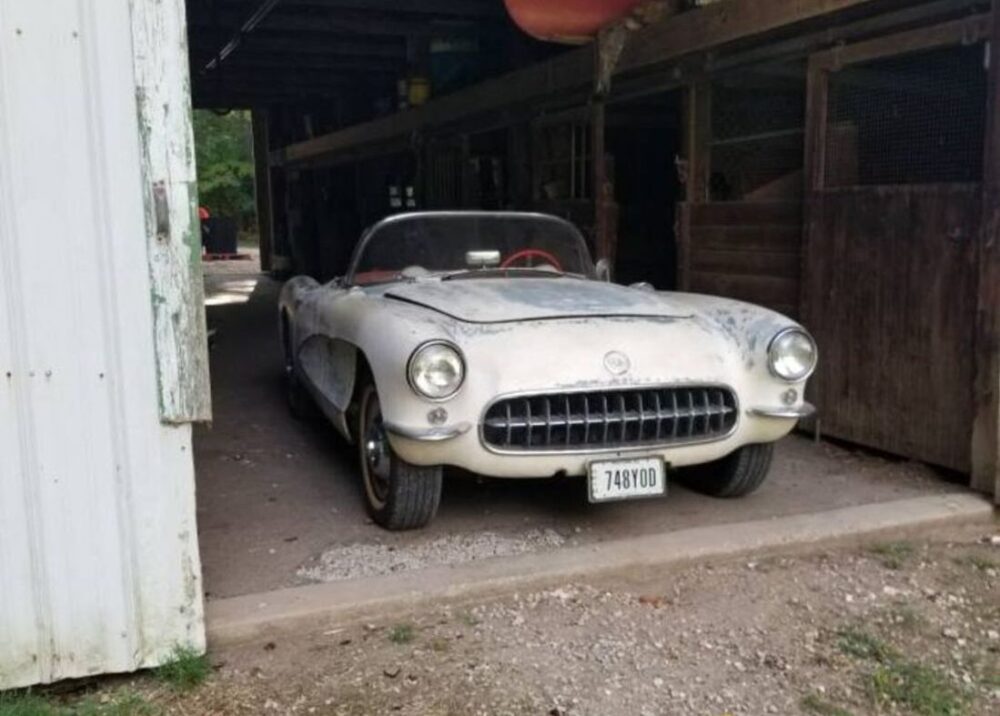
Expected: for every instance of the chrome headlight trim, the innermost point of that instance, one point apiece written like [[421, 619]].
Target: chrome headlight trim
[[416, 353], [771, 356]]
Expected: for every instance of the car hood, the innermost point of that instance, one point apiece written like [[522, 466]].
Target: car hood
[[498, 300]]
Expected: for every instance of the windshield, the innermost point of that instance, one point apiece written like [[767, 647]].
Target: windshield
[[417, 245]]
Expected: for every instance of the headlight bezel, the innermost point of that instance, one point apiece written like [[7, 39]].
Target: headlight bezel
[[771, 354], [410, 364]]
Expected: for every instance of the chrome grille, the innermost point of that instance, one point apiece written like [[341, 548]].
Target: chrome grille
[[610, 419]]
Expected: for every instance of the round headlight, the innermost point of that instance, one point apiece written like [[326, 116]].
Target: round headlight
[[436, 371], [792, 355]]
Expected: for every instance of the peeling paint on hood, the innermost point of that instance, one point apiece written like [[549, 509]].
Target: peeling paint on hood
[[500, 300]]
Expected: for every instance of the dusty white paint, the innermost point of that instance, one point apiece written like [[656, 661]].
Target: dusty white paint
[[532, 336], [99, 567]]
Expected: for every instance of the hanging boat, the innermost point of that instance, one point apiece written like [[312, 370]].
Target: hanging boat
[[567, 20]]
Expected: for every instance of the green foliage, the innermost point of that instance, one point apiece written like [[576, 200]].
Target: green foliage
[[862, 645], [224, 146], [815, 704], [893, 555], [185, 670], [918, 689], [124, 703], [25, 704], [402, 634]]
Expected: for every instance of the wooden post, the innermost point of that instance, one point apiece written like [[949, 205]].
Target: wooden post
[[817, 91], [986, 428], [698, 138], [695, 170], [262, 185], [604, 238]]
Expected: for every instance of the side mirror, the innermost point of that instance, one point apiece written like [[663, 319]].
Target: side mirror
[[603, 270]]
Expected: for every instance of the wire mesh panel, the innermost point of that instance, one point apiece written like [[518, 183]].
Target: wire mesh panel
[[912, 119], [758, 119]]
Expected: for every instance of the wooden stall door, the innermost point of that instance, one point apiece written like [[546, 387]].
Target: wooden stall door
[[893, 213], [892, 306]]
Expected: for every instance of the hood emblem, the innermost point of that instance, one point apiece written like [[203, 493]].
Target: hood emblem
[[617, 363]]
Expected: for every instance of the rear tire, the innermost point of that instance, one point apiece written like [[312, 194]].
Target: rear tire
[[736, 475], [399, 496]]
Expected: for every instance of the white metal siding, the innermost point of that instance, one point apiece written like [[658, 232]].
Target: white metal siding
[[99, 568]]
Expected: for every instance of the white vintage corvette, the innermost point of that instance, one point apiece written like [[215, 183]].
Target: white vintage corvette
[[491, 342]]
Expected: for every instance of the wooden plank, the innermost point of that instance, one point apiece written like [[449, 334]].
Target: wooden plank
[[683, 233], [761, 290], [747, 238], [737, 262], [697, 139], [985, 456], [173, 232], [737, 213], [967, 30], [718, 24]]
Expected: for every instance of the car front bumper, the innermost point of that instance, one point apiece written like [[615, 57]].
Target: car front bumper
[[461, 445]]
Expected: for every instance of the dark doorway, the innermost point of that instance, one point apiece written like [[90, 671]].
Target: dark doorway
[[644, 140]]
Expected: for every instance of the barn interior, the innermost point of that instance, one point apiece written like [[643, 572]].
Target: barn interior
[[749, 150]]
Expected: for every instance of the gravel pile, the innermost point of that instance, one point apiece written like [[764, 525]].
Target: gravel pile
[[371, 560]]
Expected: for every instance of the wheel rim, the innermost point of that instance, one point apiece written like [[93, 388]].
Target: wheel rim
[[376, 453]]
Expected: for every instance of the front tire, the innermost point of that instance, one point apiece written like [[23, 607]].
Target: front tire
[[736, 475], [399, 496]]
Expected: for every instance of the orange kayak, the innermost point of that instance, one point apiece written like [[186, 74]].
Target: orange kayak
[[566, 20]]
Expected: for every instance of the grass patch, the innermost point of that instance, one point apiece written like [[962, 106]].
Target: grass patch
[[862, 645], [977, 562], [402, 634], [25, 704], [892, 555], [904, 616], [121, 704], [185, 670], [916, 688], [816, 704]]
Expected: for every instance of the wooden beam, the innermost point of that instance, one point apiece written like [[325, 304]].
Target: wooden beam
[[667, 40], [720, 23], [986, 426], [571, 70]]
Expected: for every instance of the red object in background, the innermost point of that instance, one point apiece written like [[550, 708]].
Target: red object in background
[[566, 19], [204, 213]]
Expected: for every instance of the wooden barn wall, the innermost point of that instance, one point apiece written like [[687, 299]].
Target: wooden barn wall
[[750, 251]]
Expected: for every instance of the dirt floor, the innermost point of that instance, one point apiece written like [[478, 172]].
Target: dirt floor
[[279, 501], [906, 627]]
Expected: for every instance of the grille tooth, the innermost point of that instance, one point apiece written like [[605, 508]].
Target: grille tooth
[[611, 419]]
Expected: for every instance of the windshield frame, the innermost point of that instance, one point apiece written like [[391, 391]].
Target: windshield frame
[[369, 233]]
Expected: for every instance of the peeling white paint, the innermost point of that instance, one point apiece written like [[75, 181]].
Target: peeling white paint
[[99, 565], [162, 89]]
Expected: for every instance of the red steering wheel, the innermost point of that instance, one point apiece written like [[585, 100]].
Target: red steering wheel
[[532, 253]]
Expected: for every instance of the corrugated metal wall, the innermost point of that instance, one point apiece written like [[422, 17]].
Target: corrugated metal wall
[[99, 567]]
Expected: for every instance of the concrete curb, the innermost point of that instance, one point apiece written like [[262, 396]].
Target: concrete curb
[[241, 619]]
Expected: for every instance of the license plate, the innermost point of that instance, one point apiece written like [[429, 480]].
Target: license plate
[[616, 480]]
